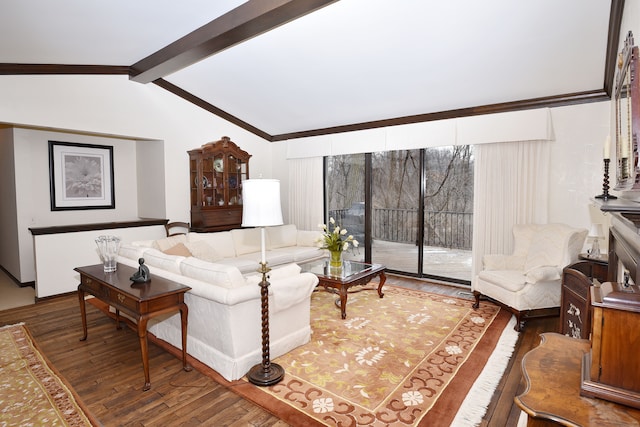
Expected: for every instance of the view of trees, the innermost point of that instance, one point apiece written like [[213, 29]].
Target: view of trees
[[448, 195]]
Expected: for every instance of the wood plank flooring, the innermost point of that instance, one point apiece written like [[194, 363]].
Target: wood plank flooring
[[106, 370]]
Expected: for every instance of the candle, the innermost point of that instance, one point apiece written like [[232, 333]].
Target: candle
[[262, 247], [607, 147]]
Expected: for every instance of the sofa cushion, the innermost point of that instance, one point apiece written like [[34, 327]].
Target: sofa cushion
[[203, 250], [156, 258], [296, 254], [167, 242], [282, 236], [179, 249], [221, 241], [247, 240], [222, 275]]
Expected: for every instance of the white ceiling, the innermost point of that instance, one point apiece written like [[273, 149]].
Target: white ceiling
[[350, 62]]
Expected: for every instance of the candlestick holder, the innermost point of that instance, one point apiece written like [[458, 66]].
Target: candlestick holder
[[605, 184], [266, 373]]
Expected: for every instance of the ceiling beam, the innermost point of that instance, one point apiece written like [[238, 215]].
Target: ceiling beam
[[26, 69], [248, 20], [187, 96]]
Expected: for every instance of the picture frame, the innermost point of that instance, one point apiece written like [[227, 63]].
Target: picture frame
[[81, 176]]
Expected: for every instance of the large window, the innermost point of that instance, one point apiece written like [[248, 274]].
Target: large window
[[411, 209]]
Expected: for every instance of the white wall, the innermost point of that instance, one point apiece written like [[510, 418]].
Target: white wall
[[9, 255], [69, 107]]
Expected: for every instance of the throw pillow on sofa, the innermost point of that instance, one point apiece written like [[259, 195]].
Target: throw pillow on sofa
[[201, 249], [180, 249], [168, 242]]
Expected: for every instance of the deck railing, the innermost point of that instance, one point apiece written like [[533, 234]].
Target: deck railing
[[453, 230]]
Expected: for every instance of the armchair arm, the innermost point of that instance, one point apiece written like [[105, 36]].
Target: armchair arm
[[503, 262], [543, 272]]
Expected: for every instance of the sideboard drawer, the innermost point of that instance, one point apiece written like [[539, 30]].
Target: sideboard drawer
[[123, 300], [93, 287]]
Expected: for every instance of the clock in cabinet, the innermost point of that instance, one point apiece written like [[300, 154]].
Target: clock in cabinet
[[216, 173]]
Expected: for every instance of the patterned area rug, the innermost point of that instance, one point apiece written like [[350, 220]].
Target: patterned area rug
[[31, 393], [408, 359]]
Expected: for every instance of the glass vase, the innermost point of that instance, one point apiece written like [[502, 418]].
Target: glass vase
[[108, 247], [336, 259]]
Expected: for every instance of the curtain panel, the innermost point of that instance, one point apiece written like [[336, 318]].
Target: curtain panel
[[511, 186], [306, 193]]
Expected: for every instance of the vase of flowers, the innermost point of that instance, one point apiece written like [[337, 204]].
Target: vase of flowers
[[335, 240]]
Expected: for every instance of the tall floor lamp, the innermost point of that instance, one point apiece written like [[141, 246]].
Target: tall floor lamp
[[261, 208]]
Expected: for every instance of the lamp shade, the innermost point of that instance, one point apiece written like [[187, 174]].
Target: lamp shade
[[596, 231], [261, 203]]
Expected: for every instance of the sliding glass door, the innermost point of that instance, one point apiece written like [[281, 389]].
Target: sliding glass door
[[410, 209]]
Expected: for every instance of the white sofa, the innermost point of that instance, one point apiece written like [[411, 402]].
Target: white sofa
[[224, 330]]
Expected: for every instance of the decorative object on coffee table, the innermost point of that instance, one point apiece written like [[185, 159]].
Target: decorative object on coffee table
[[262, 209], [142, 275], [335, 241]]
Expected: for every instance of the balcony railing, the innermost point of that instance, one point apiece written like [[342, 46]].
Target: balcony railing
[[453, 230]]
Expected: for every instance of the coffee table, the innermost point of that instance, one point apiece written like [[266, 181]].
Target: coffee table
[[353, 273], [141, 300]]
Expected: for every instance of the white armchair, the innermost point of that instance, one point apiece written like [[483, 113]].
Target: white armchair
[[527, 282]]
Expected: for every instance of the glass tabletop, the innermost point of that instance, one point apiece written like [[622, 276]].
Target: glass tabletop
[[320, 267]]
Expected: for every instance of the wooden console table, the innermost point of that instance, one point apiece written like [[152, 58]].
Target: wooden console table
[[552, 373], [141, 300]]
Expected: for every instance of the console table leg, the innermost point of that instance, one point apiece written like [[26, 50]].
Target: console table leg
[[184, 316], [83, 314], [144, 348]]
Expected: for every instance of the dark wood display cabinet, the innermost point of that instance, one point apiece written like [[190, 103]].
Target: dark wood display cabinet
[[575, 309], [216, 172]]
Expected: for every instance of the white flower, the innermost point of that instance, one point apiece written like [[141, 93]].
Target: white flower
[[453, 349], [355, 243], [343, 231], [332, 221], [323, 405], [412, 398], [477, 320]]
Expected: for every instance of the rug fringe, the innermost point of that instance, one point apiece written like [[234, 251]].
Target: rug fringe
[[11, 326], [477, 400]]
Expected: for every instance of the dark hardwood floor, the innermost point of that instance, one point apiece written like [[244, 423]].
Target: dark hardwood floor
[[106, 370]]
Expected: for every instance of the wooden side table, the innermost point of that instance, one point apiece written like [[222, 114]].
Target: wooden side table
[[599, 266], [552, 373], [141, 300]]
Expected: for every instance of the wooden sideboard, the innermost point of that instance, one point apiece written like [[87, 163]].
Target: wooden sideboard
[[552, 372]]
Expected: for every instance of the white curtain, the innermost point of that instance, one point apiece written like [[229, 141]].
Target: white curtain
[[511, 186], [306, 191]]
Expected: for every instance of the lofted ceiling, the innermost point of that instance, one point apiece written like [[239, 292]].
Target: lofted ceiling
[[291, 68]]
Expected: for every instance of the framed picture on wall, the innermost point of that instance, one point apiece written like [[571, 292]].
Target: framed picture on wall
[[81, 176]]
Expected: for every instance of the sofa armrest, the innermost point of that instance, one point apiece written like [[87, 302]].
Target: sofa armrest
[[503, 262], [291, 290]]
